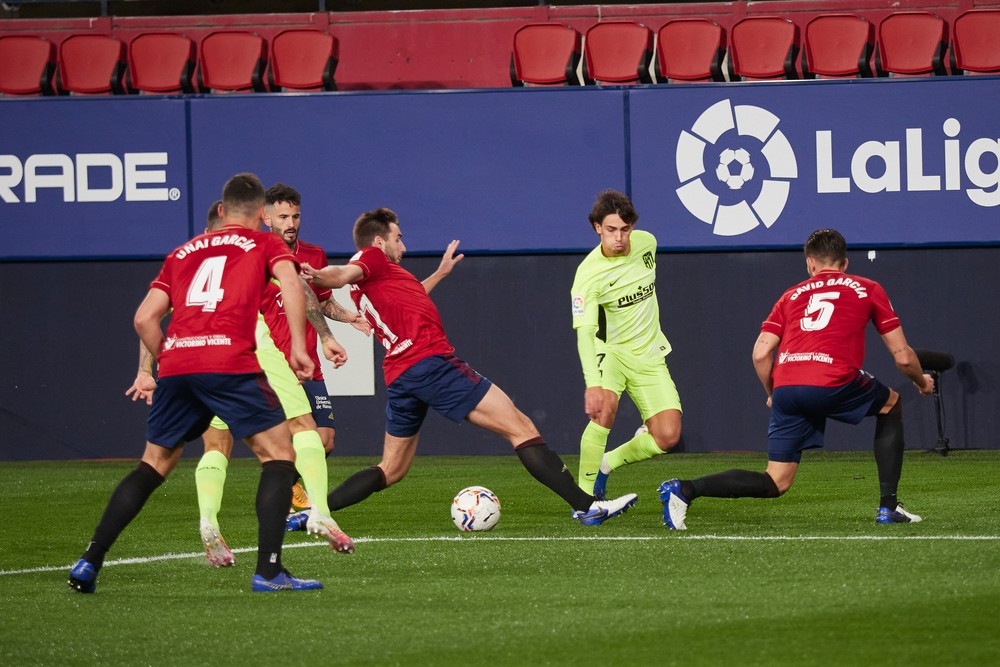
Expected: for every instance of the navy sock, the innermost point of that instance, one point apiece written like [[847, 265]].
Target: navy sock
[[274, 495], [889, 453], [546, 466], [124, 505], [356, 488], [733, 484]]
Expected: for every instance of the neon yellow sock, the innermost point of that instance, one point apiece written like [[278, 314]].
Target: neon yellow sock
[[639, 448], [592, 444], [310, 461], [210, 481]]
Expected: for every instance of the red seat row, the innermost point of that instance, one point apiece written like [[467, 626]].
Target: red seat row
[[168, 63], [760, 48]]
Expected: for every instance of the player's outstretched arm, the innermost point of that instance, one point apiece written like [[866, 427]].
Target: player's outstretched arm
[[332, 276], [333, 310], [448, 262], [907, 361]]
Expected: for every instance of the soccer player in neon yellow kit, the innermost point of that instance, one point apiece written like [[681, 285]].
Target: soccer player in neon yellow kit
[[621, 346]]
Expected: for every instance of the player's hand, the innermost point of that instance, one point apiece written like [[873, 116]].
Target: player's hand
[[334, 352], [361, 324], [928, 387], [769, 402], [449, 259], [593, 402], [301, 363], [307, 272], [143, 387]]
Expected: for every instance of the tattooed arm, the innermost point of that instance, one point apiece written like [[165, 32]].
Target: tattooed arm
[[332, 350]]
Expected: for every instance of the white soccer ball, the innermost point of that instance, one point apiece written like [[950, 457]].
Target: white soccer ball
[[475, 508], [724, 172]]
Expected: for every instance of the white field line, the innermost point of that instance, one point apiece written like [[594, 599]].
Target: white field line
[[496, 538]]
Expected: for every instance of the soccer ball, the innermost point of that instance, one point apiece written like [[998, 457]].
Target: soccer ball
[[724, 170], [475, 508]]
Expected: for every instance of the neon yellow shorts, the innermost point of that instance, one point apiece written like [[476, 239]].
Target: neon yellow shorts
[[294, 400], [648, 384]]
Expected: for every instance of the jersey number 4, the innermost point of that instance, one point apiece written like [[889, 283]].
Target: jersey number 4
[[818, 311], [206, 286]]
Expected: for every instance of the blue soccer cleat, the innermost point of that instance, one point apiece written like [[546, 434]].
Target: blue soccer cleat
[[602, 510], [675, 505], [283, 582], [83, 577], [898, 515], [297, 521]]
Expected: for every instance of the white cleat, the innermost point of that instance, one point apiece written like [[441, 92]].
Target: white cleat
[[327, 528], [216, 550]]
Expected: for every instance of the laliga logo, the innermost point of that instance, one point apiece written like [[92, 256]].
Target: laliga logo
[[730, 213]]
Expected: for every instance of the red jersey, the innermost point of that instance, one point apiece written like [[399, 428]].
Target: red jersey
[[215, 283], [274, 310], [401, 313], [821, 323]]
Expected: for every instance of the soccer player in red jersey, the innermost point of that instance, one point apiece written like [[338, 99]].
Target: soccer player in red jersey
[[283, 216], [312, 433], [214, 283], [817, 329], [421, 371]]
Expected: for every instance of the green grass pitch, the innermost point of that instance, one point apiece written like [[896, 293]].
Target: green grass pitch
[[805, 579]]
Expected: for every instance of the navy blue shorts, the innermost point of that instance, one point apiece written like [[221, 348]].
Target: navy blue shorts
[[183, 406], [445, 383], [319, 399], [799, 413]]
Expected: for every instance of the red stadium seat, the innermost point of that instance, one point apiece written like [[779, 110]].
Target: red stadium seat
[[91, 65], [838, 45], [617, 52], [303, 60], [763, 47], [232, 62], [26, 65], [690, 50], [161, 63], [911, 44], [545, 54], [976, 48]]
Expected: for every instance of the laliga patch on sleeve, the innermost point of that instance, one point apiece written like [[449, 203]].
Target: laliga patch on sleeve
[[577, 306]]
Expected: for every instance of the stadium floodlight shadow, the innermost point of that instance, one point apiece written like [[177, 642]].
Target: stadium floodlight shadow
[[934, 364]]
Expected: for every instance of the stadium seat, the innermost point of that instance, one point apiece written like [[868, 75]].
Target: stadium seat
[[690, 50], [976, 46], [232, 62], [161, 63], [838, 45], [27, 65], [617, 52], [545, 54], [763, 47], [91, 65], [303, 60], [911, 44]]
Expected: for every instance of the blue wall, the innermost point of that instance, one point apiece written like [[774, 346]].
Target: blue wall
[[513, 174], [888, 161]]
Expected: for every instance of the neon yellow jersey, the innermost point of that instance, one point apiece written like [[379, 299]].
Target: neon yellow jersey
[[614, 305]]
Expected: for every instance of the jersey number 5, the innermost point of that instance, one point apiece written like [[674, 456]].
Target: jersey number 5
[[818, 311], [206, 286]]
